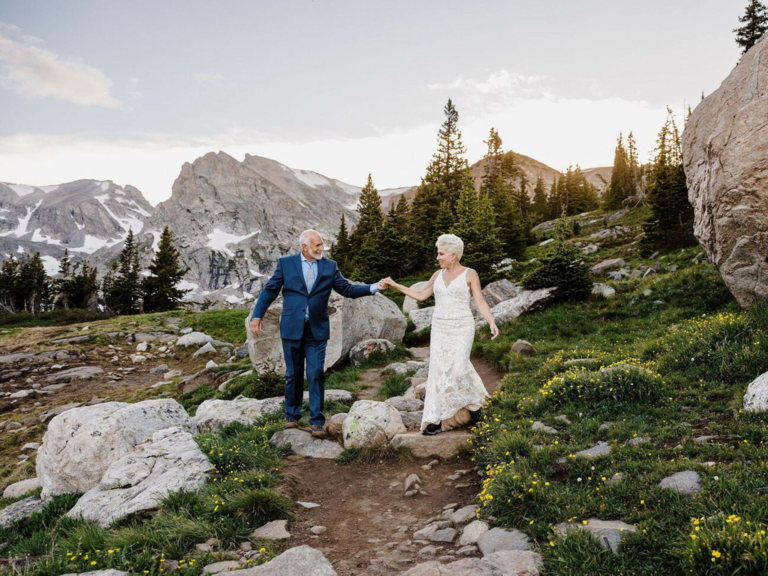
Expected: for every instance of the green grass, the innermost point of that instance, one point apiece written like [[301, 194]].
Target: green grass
[[60, 317], [227, 325], [394, 385], [686, 363]]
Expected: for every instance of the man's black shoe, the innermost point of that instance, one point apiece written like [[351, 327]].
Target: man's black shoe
[[432, 429], [476, 415]]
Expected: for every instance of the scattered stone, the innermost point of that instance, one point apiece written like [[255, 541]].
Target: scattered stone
[[275, 530], [403, 404], [30, 446], [203, 350], [308, 505], [589, 249], [618, 275], [211, 364], [443, 535], [606, 265], [608, 532], [687, 482], [20, 510], [172, 374], [79, 373], [303, 444], [539, 426], [224, 566], [405, 367], [427, 552], [604, 290], [523, 348], [193, 339], [463, 515], [563, 418], [699, 440], [639, 440], [75, 340], [299, 561], [161, 368], [599, 449], [472, 532], [410, 481], [20, 488], [138, 359], [756, 398], [467, 550], [185, 331], [318, 530], [142, 347], [497, 539], [615, 479]]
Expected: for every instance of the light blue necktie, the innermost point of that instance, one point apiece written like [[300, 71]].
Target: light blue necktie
[[310, 283]]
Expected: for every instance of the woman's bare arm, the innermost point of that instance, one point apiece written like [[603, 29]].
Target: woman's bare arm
[[419, 295], [482, 305]]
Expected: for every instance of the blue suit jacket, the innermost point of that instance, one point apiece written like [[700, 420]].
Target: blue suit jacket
[[289, 278]]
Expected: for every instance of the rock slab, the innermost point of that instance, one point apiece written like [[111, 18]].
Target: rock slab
[[504, 563], [608, 532], [444, 445], [215, 414], [303, 444]]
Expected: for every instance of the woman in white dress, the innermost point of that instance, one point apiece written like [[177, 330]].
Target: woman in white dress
[[455, 392]]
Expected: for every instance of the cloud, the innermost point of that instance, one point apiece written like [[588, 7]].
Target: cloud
[[36, 73], [501, 88], [213, 79]]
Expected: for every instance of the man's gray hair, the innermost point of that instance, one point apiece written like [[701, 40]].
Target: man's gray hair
[[451, 243], [304, 237]]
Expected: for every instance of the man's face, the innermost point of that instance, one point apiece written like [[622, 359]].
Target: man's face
[[314, 248]]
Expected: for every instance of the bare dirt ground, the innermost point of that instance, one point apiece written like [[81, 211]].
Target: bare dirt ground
[[368, 519]]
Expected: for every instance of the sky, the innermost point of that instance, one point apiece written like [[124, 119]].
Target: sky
[[129, 91]]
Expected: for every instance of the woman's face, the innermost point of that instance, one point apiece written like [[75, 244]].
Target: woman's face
[[445, 258]]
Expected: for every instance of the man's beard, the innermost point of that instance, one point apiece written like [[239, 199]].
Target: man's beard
[[317, 255]]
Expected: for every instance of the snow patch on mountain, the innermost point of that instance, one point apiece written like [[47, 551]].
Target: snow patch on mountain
[[218, 240]]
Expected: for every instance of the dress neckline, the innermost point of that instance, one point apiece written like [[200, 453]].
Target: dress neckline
[[442, 274]]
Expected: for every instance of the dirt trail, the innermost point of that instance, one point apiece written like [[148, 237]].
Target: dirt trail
[[370, 522]]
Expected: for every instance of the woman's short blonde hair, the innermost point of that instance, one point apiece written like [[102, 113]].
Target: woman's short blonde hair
[[451, 243]]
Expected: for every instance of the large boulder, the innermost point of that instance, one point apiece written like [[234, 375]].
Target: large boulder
[[526, 301], [409, 303], [724, 150], [20, 510], [422, 317], [756, 398], [495, 293], [351, 321], [141, 479], [371, 424], [303, 444], [82, 443], [215, 414]]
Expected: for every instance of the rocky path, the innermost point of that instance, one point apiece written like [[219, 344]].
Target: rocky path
[[359, 516]]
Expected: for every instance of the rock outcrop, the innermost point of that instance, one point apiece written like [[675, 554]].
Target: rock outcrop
[[215, 414], [82, 443], [724, 150], [351, 321], [371, 424], [141, 479]]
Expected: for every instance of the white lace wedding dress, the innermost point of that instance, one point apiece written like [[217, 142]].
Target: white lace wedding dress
[[453, 386]]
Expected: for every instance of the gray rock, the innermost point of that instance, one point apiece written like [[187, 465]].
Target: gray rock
[[405, 367], [403, 404], [81, 443], [445, 445], [523, 348], [411, 420], [20, 510], [203, 350], [539, 426], [185, 331], [463, 515], [140, 480], [215, 414], [498, 539], [299, 561], [546, 242], [371, 424], [504, 563], [194, 339], [162, 368], [599, 449], [335, 424], [171, 374], [589, 249], [606, 265], [410, 481], [756, 398], [224, 566], [20, 488], [275, 530], [618, 275], [468, 550], [80, 373], [523, 303], [242, 351], [472, 532], [303, 444], [608, 532], [687, 482], [422, 317], [603, 290], [409, 303], [443, 535]]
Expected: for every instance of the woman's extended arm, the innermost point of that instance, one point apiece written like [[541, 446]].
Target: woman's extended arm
[[419, 295], [482, 305]]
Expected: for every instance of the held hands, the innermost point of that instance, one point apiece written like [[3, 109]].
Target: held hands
[[257, 327], [385, 283]]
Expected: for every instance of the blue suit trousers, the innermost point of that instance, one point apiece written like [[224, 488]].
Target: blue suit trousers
[[296, 352]]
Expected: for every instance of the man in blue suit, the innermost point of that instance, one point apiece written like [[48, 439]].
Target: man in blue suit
[[306, 281]]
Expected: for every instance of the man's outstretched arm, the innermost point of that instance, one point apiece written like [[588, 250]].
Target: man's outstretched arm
[[349, 290]]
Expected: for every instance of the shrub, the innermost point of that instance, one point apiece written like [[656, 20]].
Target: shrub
[[563, 269], [619, 385], [267, 384], [725, 545], [395, 385], [257, 506]]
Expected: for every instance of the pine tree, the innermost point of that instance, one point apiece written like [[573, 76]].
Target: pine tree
[[126, 286], [9, 284], [476, 226], [447, 174], [582, 196], [671, 222], [539, 207], [634, 165], [755, 22], [83, 287], [621, 185], [61, 284], [340, 251], [34, 285], [371, 217], [160, 289]]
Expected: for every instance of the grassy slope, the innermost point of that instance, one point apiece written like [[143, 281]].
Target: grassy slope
[[700, 353]]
